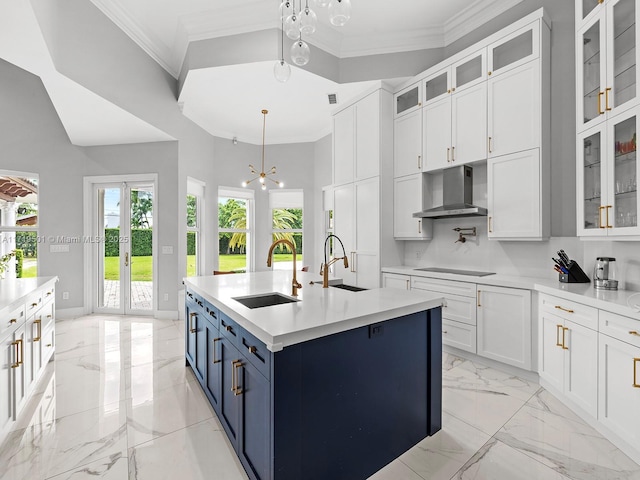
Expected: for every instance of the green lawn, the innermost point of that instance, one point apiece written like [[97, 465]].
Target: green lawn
[[141, 269]]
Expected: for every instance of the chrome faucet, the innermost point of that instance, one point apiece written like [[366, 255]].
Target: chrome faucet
[[294, 283], [324, 268]]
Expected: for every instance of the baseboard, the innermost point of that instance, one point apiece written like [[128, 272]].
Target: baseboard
[[68, 313], [166, 314]]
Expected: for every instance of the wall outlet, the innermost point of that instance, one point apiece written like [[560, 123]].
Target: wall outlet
[[166, 297], [65, 295]]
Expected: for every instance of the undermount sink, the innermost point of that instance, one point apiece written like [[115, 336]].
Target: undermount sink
[[351, 288], [264, 300]]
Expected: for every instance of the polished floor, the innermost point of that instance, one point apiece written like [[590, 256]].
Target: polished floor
[[118, 403]]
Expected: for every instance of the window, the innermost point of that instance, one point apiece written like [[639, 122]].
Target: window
[[195, 193], [286, 219], [235, 217], [18, 225]]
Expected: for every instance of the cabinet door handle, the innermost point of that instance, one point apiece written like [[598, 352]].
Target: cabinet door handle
[[489, 220], [453, 154], [568, 310], [558, 328], [191, 315], [214, 351], [564, 330], [444, 331], [600, 112], [236, 365], [38, 323], [600, 217], [490, 137], [419, 162], [479, 291], [608, 207], [16, 352], [606, 99], [419, 226], [353, 262], [408, 285], [633, 332], [635, 372], [448, 151]]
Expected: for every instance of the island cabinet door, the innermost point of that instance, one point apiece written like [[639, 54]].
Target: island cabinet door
[[214, 367], [254, 395], [229, 404]]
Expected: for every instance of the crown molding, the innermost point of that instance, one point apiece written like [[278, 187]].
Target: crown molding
[[474, 16], [153, 46], [215, 24]]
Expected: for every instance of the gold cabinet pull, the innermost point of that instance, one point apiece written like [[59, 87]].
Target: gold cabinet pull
[[558, 343], [453, 154], [448, 150], [236, 388], [419, 162], [49, 345], [444, 331], [489, 220], [353, 262], [408, 285], [38, 323], [600, 112], [606, 99], [479, 291], [564, 330], [252, 349], [635, 372], [633, 332], [600, 217], [608, 207], [419, 226], [16, 352], [191, 328], [568, 310], [214, 351], [228, 328], [490, 137], [35, 304], [48, 294], [13, 320]]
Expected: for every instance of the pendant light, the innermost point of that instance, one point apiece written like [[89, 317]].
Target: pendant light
[[339, 12], [300, 52], [261, 176], [281, 69]]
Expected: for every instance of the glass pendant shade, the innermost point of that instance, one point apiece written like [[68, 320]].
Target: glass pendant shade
[[285, 9], [322, 3], [339, 12], [282, 71], [292, 26], [308, 21], [300, 53]]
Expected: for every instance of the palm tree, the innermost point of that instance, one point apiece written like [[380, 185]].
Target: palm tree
[[284, 219], [238, 219]]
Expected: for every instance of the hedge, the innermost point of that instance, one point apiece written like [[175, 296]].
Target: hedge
[[19, 257], [141, 238], [27, 242], [191, 243]]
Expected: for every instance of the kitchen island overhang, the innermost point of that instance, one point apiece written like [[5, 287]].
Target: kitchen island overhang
[[351, 381]]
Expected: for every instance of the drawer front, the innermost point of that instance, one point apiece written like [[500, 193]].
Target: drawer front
[[49, 294], [459, 335], [256, 352], [572, 311], [212, 315], [196, 300], [12, 319], [623, 328], [34, 302], [229, 329], [48, 344], [460, 309], [46, 315], [444, 286]]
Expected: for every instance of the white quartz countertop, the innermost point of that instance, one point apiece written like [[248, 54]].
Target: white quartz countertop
[[320, 311], [12, 290]]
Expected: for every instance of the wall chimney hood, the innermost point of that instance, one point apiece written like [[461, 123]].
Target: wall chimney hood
[[457, 196]]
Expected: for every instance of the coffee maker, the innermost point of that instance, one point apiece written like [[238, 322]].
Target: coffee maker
[[604, 274]]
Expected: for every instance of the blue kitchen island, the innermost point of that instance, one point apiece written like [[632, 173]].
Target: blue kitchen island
[[333, 385]]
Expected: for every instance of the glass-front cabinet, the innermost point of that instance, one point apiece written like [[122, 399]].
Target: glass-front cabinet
[[607, 178], [407, 100], [607, 61]]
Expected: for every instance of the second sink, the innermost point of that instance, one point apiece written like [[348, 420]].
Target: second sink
[[351, 288], [264, 300]]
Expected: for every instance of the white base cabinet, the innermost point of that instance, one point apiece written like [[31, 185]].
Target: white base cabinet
[[393, 280]]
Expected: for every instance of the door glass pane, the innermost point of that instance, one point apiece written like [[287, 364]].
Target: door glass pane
[[407, 100], [141, 261], [109, 249], [624, 51], [469, 71], [513, 50], [436, 86], [192, 235], [591, 72], [588, 6], [626, 196], [592, 180]]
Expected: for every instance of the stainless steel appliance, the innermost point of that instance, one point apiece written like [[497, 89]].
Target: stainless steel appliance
[[604, 273]]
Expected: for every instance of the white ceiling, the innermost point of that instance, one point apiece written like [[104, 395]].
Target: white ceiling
[[226, 101]]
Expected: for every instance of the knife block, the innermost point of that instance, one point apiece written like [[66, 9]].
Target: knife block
[[575, 275]]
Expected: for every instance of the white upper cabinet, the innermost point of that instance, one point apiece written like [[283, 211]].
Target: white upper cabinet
[[607, 172], [356, 143], [408, 100], [514, 50], [607, 60], [407, 144], [407, 200], [436, 121]]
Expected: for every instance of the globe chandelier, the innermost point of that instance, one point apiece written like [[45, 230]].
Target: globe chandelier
[[297, 18]]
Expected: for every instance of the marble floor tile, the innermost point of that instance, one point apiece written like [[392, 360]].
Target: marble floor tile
[[156, 376], [155, 413], [396, 470], [190, 453], [547, 431], [147, 350], [440, 456], [47, 449], [450, 361], [497, 461], [113, 467]]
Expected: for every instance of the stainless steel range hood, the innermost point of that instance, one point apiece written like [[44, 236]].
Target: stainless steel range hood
[[457, 196]]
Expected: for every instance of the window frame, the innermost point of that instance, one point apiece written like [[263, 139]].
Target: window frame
[[272, 207], [248, 196]]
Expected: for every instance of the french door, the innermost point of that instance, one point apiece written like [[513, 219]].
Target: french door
[[123, 252]]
